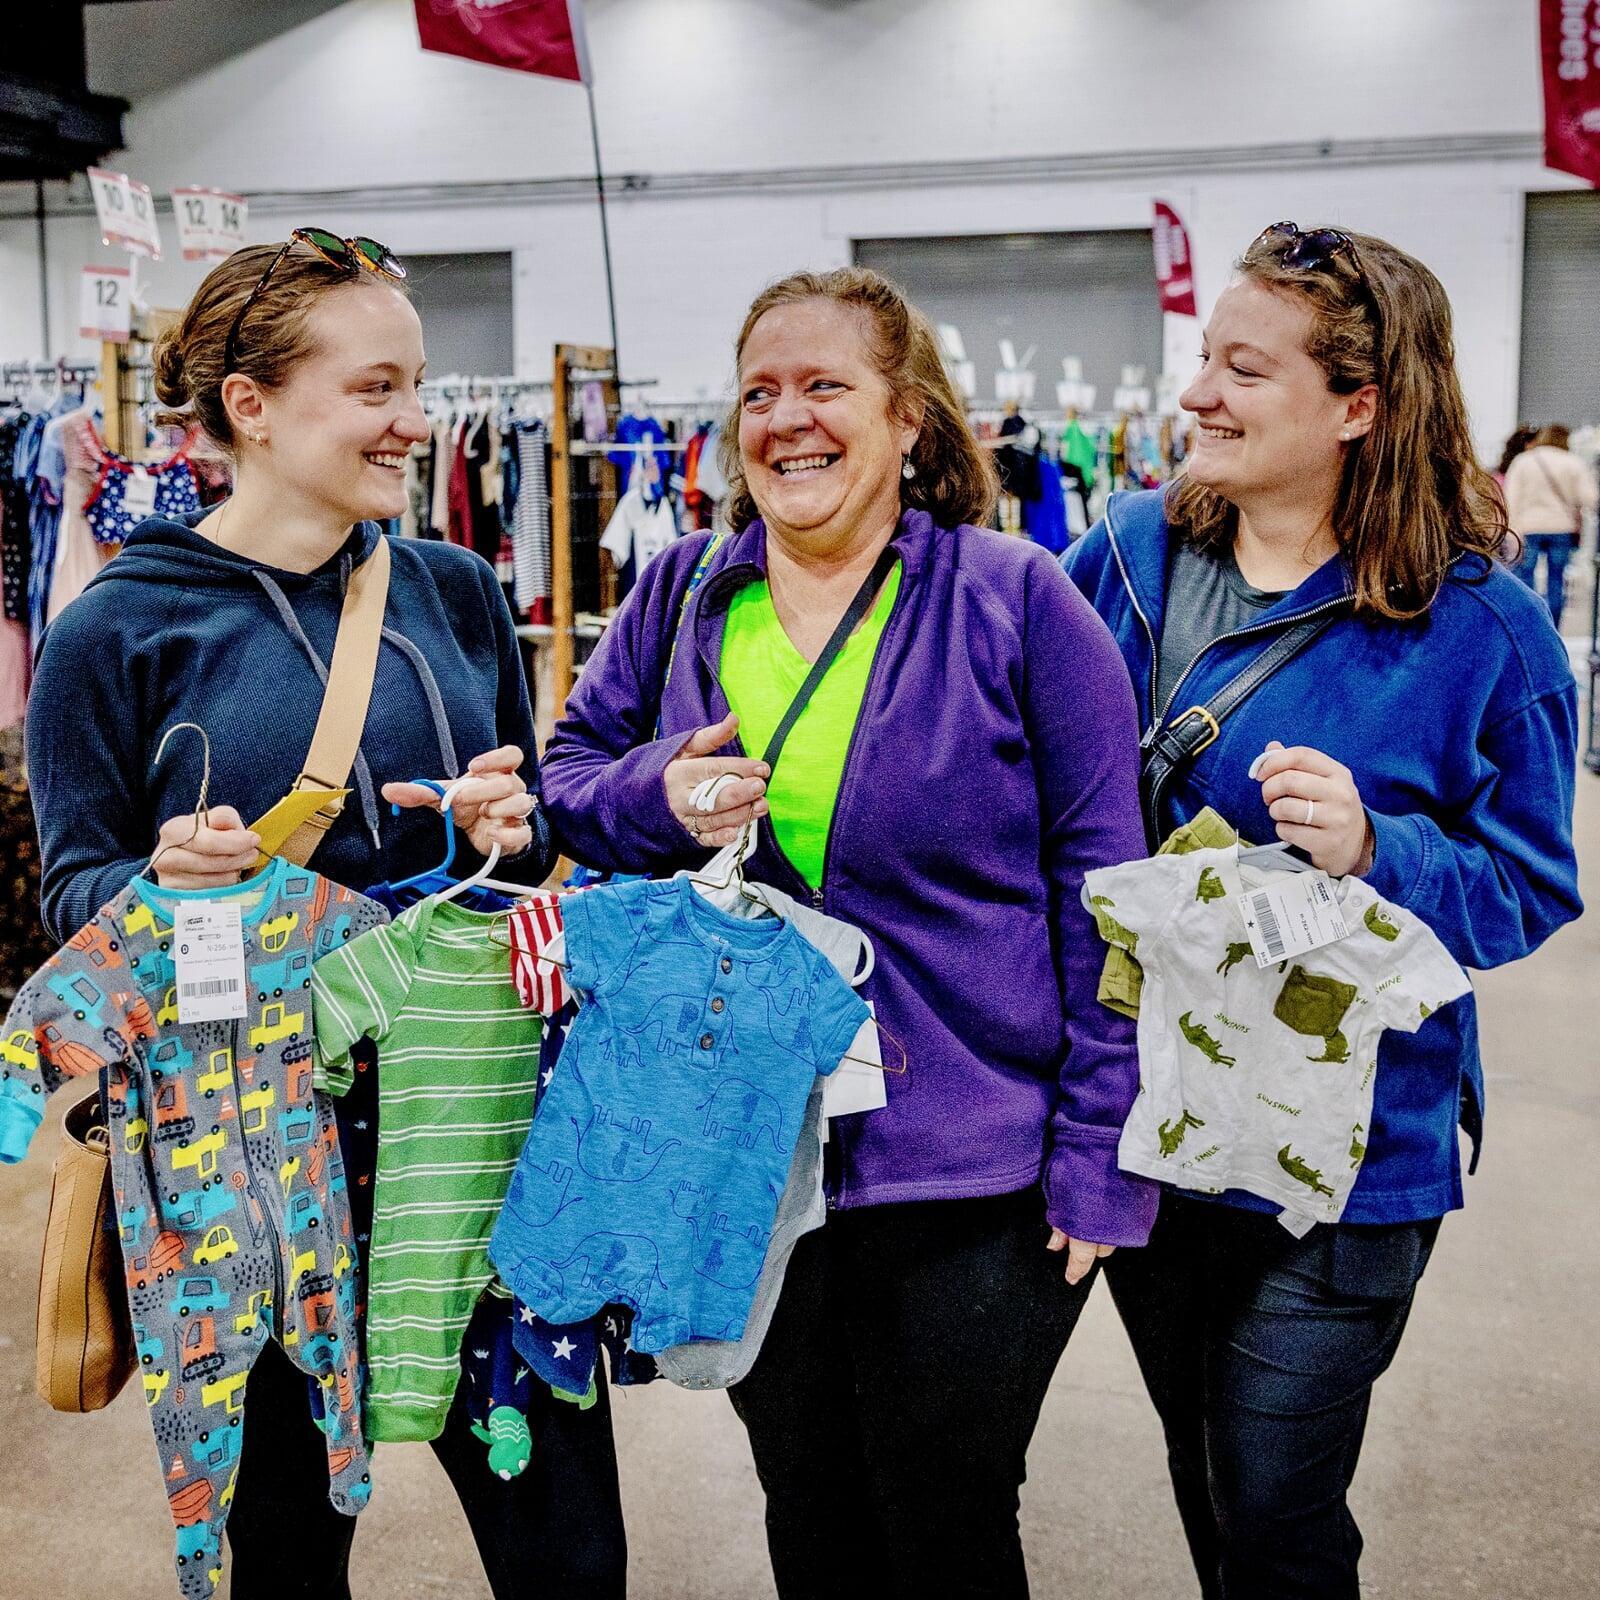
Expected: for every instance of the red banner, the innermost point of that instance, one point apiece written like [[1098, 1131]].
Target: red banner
[[545, 37], [1174, 274], [1569, 37]]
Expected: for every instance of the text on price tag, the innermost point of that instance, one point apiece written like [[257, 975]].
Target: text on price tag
[[210, 222], [127, 212], [1287, 918], [104, 311], [208, 951]]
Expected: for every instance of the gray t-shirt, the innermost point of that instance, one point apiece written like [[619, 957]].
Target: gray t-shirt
[[1207, 597]]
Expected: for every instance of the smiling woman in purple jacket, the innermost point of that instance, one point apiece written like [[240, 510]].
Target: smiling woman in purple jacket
[[968, 756]]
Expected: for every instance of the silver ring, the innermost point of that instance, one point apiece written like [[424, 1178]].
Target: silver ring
[[1311, 811]]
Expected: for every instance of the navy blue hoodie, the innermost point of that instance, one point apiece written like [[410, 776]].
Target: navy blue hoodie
[[177, 629]]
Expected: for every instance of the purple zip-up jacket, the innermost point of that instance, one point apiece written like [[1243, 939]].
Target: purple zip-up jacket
[[993, 763]]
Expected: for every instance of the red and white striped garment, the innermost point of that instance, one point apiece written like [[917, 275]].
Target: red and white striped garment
[[541, 985]]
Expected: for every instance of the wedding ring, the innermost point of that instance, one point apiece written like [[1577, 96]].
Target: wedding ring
[[692, 823], [1311, 811]]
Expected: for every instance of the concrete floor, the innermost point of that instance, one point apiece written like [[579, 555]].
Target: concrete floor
[[1479, 1475]]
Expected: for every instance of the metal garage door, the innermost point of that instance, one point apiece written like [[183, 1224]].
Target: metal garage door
[[1091, 295], [1561, 310], [465, 305]]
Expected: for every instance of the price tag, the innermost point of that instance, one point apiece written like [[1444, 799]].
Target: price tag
[[104, 311], [854, 1085], [210, 222], [139, 494], [208, 950], [127, 212], [1288, 917]]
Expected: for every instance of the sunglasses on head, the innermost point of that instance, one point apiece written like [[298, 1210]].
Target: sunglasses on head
[[349, 255], [1308, 251]]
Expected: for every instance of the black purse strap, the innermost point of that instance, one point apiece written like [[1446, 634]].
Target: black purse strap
[[848, 624], [1180, 738]]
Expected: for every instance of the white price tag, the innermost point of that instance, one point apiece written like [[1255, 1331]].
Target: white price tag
[[139, 494], [210, 222], [854, 1085], [208, 950], [1290, 916], [127, 212], [104, 311]]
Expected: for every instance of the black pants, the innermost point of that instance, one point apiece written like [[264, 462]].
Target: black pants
[[1260, 1351], [555, 1532], [892, 1405]]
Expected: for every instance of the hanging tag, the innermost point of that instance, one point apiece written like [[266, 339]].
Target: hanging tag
[[208, 949], [105, 304], [1291, 916], [854, 1086], [139, 494]]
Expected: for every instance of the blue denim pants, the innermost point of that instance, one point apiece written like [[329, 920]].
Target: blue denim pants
[[1556, 548], [1260, 1351]]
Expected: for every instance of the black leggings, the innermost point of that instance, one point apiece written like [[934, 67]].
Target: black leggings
[[892, 1405], [554, 1532]]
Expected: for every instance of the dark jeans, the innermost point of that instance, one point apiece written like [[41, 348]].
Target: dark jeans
[[1260, 1351], [892, 1404], [553, 1533], [1556, 548]]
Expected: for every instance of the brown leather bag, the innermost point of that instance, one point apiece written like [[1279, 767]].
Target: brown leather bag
[[85, 1332]]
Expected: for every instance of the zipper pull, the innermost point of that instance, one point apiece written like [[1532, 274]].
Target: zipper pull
[[816, 899]]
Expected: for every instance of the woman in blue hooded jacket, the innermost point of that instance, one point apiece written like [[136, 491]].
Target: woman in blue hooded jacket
[[1424, 740], [305, 371]]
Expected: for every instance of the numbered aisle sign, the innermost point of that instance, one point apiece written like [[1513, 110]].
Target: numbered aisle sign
[[210, 222], [127, 212], [104, 311]]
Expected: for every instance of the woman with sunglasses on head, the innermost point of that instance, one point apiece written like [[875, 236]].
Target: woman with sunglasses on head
[[303, 362], [1424, 740]]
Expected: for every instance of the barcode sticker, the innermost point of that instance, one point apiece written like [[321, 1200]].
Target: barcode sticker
[[208, 950], [1291, 915]]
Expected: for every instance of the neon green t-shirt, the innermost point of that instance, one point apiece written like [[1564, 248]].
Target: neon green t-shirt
[[761, 674]]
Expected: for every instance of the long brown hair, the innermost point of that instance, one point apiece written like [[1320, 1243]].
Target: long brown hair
[[1412, 495], [189, 357], [955, 480]]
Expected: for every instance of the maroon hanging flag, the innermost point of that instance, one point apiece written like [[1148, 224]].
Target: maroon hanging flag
[[1569, 36], [1174, 275], [545, 37]]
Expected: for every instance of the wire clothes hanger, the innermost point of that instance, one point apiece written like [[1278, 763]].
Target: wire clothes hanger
[[202, 813]]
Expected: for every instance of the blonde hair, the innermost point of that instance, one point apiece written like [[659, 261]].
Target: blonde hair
[[955, 479], [1412, 496]]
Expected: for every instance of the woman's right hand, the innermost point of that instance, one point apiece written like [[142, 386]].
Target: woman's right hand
[[211, 856], [738, 801]]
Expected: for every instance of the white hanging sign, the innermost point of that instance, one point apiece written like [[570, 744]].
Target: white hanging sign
[[127, 212], [104, 303], [210, 222]]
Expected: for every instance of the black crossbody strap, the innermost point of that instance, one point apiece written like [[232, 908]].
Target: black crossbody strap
[[1182, 736], [848, 624]]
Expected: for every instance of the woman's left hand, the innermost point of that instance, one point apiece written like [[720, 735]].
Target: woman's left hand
[[491, 804], [1081, 1254], [1299, 784]]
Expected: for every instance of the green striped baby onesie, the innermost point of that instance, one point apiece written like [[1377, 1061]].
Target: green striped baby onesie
[[458, 1059]]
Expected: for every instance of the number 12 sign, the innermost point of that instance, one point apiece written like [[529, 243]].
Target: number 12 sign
[[210, 222], [103, 303]]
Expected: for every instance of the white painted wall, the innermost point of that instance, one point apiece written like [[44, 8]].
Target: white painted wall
[[347, 101]]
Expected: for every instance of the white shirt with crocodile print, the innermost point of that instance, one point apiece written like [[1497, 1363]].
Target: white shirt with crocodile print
[[1260, 1079]]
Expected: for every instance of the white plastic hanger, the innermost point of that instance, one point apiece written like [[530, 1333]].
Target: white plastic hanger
[[479, 879]]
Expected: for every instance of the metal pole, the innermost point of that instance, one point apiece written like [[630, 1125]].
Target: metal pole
[[44, 269], [605, 234]]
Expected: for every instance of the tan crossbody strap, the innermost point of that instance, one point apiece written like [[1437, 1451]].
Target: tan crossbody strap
[[295, 826]]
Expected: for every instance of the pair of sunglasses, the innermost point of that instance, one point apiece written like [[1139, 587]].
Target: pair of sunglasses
[[1309, 251], [349, 255]]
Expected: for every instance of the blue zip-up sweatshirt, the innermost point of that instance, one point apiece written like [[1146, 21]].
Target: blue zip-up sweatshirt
[[1461, 731], [177, 629]]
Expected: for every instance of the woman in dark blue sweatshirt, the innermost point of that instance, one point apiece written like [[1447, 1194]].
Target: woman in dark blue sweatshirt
[[306, 371], [1424, 740]]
